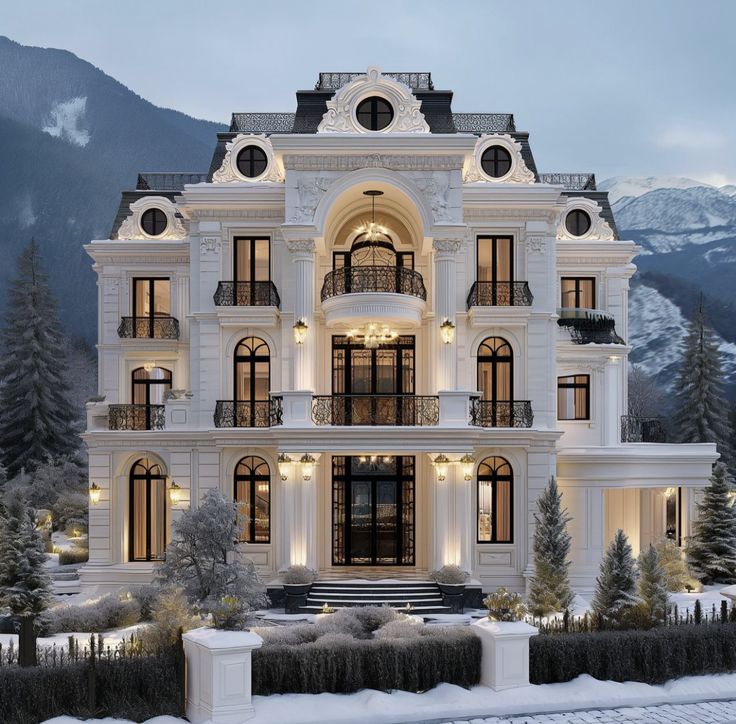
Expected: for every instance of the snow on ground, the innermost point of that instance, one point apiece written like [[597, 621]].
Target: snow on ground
[[63, 542], [61, 640]]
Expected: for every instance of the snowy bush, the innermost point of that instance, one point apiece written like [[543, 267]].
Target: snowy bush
[[450, 574], [673, 565], [652, 610], [504, 605], [94, 616], [405, 628], [73, 556], [229, 614], [298, 574], [288, 635], [170, 611]]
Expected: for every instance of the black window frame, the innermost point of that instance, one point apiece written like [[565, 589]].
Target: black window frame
[[577, 281], [577, 214], [252, 147], [154, 210], [148, 477], [493, 478], [151, 281], [374, 113], [575, 386], [495, 147], [252, 479], [494, 239]]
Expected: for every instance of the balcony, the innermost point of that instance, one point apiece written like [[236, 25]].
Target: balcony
[[489, 413], [589, 326], [247, 294], [148, 328], [642, 429], [249, 413], [500, 294], [136, 417], [398, 410]]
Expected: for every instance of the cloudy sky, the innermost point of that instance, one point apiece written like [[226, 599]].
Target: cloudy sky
[[631, 87]]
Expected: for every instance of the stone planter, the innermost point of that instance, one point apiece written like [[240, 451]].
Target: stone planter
[[453, 595], [296, 596], [505, 653], [219, 675]]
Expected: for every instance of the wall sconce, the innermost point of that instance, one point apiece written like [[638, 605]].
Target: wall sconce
[[440, 465], [307, 463], [467, 462], [175, 493], [284, 462], [94, 493], [447, 331], [300, 331]]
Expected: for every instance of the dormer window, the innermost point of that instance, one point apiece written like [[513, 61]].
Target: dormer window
[[154, 222], [577, 222], [496, 161], [374, 113], [252, 161]]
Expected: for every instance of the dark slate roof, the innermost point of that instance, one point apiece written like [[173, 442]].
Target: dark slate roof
[[415, 81], [262, 123], [484, 122], [161, 181], [570, 181], [601, 198], [128, 197]]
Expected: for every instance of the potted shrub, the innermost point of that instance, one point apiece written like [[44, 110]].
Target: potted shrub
[[297, 581], [451, 580]]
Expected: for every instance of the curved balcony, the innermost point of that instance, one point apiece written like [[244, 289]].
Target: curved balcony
[[399, 410], [249, 413], [136, 417], [148, 328], [500, 294], [642, 429], [247, 294], [490, 413], [589, 326]]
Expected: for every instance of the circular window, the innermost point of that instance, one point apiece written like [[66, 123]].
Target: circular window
[[577, 222], [252, 161], [154, 222], [496, 161], [374, 113]]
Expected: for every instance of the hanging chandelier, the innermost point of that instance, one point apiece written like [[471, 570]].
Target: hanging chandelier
[[371, 230], [373, 336]]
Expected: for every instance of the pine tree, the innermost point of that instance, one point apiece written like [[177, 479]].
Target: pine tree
[[701, 413], [549, 589], [615, 595], [37, 416], [673, 565], [652, 587], [711, 550]]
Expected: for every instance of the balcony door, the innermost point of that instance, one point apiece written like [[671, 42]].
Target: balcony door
[[149, 394], [251, 269], [496, 380], [252, 383], [495, 256], [151, 301]]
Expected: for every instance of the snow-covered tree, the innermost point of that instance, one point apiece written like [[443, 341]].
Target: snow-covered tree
[[673, 565], [646, 398], [701, 414], [203, 560], [652, 587], [37, 416], [550, 588], [24, 583], [711, 550], [615, 595]]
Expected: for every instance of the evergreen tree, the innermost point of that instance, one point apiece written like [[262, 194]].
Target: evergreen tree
[[615, 595], [711, 550], [37, 418], [701, 413], [652, 587], [549, 589], [673, 565]]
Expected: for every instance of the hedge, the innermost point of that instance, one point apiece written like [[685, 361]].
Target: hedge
[[652, 657], [348, 665]]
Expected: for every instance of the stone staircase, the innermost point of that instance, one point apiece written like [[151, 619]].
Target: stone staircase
[[423, 596], [64, 582]]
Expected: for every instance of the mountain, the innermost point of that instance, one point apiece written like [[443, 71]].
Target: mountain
[[71, 138], [687, 231]]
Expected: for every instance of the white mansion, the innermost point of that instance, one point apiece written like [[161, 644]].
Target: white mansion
[[380, 329]]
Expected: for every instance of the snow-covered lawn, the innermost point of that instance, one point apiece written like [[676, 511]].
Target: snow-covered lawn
[[61, 640]]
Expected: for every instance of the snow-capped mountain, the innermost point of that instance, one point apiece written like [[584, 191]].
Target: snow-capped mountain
[[620, 187]]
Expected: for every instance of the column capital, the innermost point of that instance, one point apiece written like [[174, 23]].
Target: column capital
[[448, 245], [301, 247]]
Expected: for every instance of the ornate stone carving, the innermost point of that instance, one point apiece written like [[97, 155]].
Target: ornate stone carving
[[395, 162], [209, 245], [600, 229], [309, 191], [340, 116], [228, 171], [536, 243], [518, 173], [131, 227], [301, 246], [437, 190], [449, 246]]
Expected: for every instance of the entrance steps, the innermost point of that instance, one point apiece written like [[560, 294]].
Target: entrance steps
[[422, 596], [65, 582]]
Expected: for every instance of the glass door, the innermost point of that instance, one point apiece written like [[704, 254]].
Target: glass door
[[252, 269]]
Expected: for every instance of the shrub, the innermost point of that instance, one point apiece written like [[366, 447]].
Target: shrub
[[170, 612], [73, 556], [450, 574], [673, 564], [94, 616], [653, 656], [146, 595], [298, 574], [406, 628], [503, 605]]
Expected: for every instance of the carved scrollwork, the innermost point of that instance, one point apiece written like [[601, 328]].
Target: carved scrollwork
[[436, 188], [228, 171], [518, 173], [309, 191], [600, 229], [131, 227]]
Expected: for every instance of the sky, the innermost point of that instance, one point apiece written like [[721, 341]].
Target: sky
[[622, 87]]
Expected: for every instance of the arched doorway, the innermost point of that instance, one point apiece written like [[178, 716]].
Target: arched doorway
[[253, 496], [252, 383], [496, 381], [148, 531], [495, 501]]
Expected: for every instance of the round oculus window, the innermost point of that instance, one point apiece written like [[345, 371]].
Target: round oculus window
[[577, 222], [154, 222], [496, 161], [252, 161], [374, 113]]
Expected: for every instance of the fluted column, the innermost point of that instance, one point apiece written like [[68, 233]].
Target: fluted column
[[302, 253], [445, 296]]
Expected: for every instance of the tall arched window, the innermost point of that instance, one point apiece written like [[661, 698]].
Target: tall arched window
[[496, 380], [149, 390], [252, 383], [495, 501], [253, 495], [147, 512]]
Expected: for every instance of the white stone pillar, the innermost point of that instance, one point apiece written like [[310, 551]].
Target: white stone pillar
[[464, 523], [612, 410], [302, 251], [445, 293], [505, 653], [444, 522]]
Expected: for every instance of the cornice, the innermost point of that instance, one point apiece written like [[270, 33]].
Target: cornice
[[353, 162]]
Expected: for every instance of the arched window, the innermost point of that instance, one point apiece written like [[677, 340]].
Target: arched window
[[149, 390], [496, 380], [495, 501], [252, 383], [253, 495], [147, 512]]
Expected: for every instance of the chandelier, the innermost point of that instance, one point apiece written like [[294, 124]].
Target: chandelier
[[371, 230], [373, 336]]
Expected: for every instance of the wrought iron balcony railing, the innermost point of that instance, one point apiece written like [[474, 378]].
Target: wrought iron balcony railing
[[401, 410], [247, 294], [250, 413], [489, 413], [589, 326], [148, 328], [387, 279], [500, 294], [136, 417], [642, 429]]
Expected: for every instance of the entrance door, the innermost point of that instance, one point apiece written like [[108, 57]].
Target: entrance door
[[373, 511]]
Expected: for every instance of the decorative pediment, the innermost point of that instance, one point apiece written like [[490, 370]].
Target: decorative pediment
[[600, 229], [341, 108], [517, 173], [132, 228], [229, 172]]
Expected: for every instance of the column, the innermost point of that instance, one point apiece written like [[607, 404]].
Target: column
[[445, 295], [302, 251]]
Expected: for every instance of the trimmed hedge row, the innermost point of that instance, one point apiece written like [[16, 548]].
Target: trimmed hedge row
[[346, 666], [652, 657]]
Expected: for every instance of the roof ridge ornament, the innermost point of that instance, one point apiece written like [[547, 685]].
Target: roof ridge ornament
[[341, 108]]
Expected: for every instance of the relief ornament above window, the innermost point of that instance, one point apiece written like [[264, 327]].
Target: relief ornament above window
[[476, 165], [133, 226], [235, 168], [598, 229]]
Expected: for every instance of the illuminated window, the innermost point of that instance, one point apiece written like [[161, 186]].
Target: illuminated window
[[578, 292], [495, 501], [573, 397], [253, 496], [147, 512]]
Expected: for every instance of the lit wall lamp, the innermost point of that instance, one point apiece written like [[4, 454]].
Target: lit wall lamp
[[94, 493], [307, 463], [284, 463], [447, 331], [175, 493], [300, 331], [467, 462], [440, 465]]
